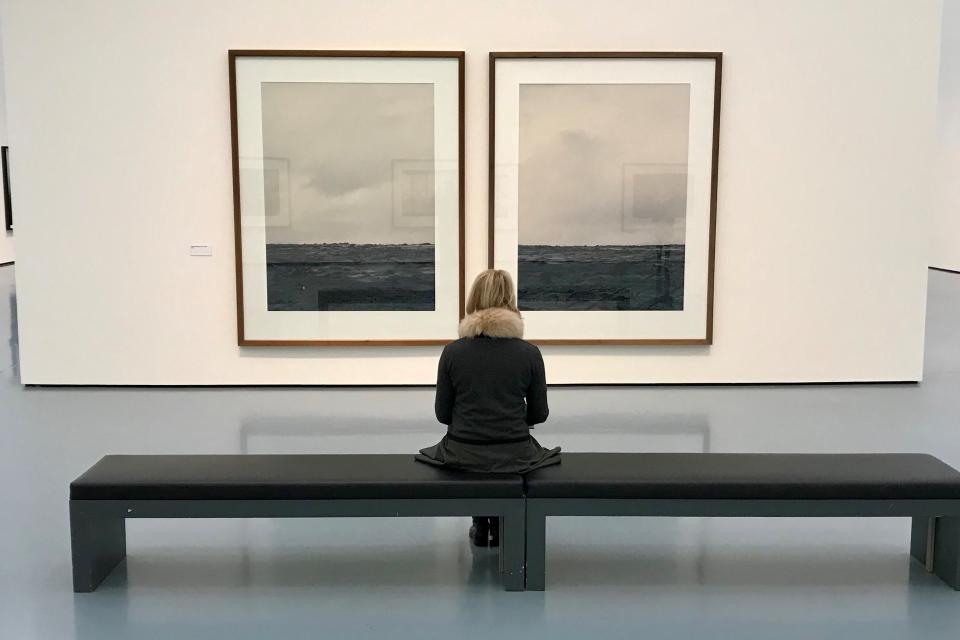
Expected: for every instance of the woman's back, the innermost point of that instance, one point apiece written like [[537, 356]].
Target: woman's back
[[491, 384], [491, 388]]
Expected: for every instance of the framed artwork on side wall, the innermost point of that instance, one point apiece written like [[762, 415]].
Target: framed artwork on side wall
[[348, 196], [7, 202], [602, 195]]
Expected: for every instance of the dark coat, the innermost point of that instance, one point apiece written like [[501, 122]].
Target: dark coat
[[491, 390]]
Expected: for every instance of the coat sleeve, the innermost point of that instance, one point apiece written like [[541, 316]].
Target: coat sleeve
[[443, 404], [537, 409]]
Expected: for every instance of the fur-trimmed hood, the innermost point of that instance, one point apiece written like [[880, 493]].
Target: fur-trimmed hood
[[495, 322]]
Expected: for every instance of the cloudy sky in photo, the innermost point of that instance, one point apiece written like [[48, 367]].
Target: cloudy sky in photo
[[341, 140], [582, 148]]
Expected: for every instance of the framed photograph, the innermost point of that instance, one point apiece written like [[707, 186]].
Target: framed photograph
[[603, 191], [348, 196], [7, 203]]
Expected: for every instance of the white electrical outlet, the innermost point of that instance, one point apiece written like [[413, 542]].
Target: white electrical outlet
[[201, 250]]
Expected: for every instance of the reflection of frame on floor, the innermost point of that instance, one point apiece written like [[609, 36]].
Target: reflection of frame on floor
[[657, 424], [14, 338], [294, 427], [696, 425]]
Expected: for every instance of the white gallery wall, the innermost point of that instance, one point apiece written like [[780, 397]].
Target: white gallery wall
[[6, 247], [6, 237], [945, 241], [119, 113]]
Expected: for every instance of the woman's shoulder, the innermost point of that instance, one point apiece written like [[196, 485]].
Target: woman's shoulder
[[509, 347]]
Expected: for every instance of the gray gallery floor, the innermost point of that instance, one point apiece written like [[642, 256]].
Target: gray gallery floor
[[419, 578]]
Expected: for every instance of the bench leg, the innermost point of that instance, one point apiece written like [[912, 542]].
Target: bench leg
[[536, 548], [921, 539], [98, 542], [946, 553], [511, 548]]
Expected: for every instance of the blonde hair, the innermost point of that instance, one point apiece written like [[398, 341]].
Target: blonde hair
[[492, 288]]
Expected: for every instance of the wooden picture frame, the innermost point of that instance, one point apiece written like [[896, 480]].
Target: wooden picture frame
[[580, 66], [357, 327]]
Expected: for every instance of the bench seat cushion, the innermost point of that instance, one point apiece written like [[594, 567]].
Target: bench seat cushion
[[282, 477], [747, 476]]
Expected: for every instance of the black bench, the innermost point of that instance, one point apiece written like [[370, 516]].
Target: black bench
[[277, 486], [632, 484], [715, 484]]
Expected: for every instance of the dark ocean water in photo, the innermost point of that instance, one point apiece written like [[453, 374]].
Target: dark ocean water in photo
[[608, 278], [350, 277]]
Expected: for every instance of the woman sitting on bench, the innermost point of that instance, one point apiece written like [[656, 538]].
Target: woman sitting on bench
[[491, 390]]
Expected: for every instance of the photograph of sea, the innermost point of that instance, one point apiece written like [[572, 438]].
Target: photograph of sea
[[600, 278], [602, 197], [342, 249], [350, 277]]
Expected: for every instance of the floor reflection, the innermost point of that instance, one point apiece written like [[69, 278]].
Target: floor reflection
[[420, 578], [284, 433], [10, 361], [311, 569], [14, 340]]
